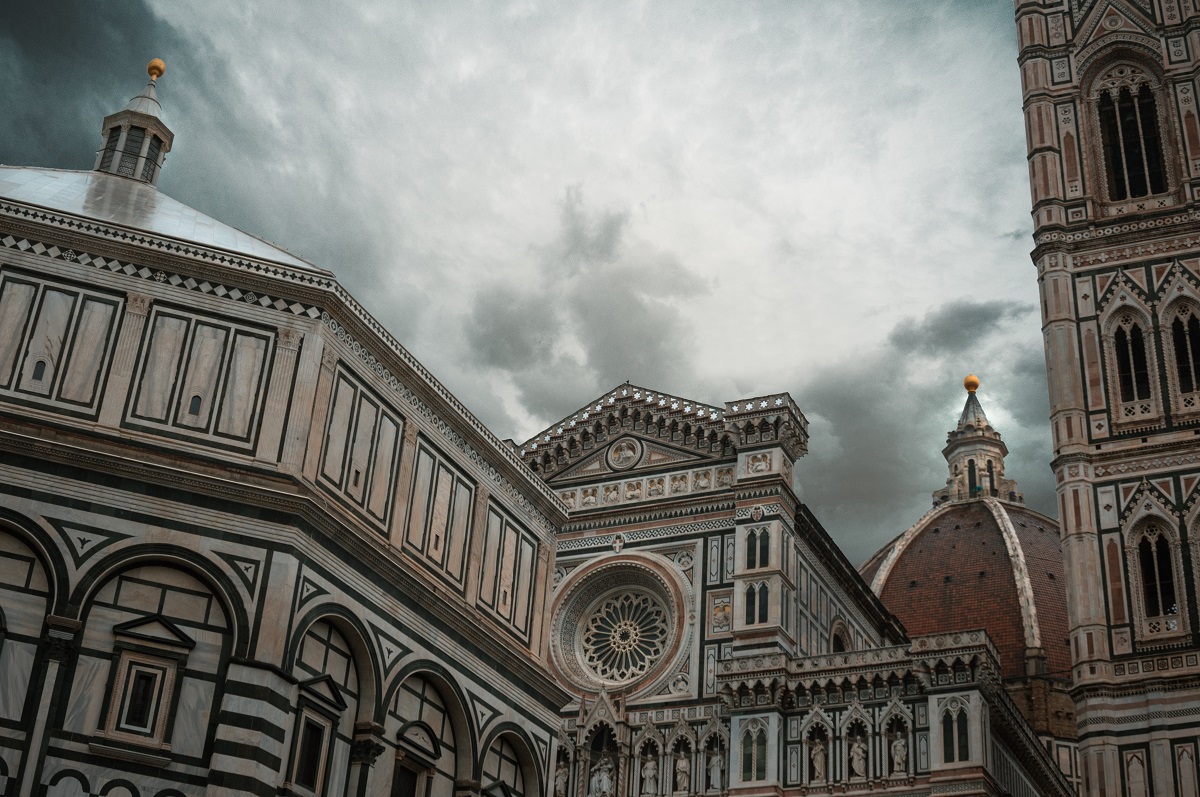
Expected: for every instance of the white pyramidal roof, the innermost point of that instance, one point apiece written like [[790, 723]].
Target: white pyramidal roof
[[123, 202]]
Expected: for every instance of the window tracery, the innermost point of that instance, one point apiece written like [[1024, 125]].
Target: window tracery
[[956, 745], [1126, 117], [754, 752], [1181, 339], [625, 635], [1155, 567], [1132, 366]]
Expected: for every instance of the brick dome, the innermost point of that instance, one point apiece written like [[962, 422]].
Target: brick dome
[[982, 563]]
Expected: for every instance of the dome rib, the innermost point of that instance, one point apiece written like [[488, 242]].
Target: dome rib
[[1025, 597]]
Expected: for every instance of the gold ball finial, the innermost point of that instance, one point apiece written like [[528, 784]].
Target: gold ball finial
[[971, 383], [156, 68]]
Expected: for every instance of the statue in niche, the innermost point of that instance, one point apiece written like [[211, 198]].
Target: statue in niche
[[561, 776], [633, 491], [649, 775], [721, 615], [818, 760], [679, 483], [899, 754], [612, 493], [589, 497], [725, 477], [568, 498], [858, 757], [656, 487], [683, 777], [601, 782], [702, 480], [715, 764]]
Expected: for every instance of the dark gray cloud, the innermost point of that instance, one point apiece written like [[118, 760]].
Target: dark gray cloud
[[880, 419], [750, 204], [954, 327]]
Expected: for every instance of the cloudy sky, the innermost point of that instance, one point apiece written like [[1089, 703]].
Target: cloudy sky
[[546, 199]]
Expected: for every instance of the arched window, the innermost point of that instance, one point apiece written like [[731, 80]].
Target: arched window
[[764, 548], [751, 602], [39, 370], [955, 740], [1133, 153], [1185, 337], [763, 605], [1133, 378], [1158, 583], [754, 753], [972, 479], [991, 486], [751, 550], [839, 643]]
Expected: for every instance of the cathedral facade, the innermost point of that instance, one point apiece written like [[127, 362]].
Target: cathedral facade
[[1114, 163]]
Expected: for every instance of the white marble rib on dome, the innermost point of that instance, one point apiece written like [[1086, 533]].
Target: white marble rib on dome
[[117, 200]]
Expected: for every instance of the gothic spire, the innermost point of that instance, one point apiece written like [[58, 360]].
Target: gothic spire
[[136, 140]]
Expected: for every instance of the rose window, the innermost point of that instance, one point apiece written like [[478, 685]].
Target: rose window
[[624, 636]]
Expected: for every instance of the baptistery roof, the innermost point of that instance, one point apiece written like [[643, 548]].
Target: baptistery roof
[[981, 563]]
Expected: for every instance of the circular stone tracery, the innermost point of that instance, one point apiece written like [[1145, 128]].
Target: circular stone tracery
[[617, 624], [624, 636]]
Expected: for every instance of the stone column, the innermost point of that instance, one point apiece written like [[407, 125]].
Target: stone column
[[137, 307], [116, 161], [58, 646], [141, 161], [324, 388], [364, 749]]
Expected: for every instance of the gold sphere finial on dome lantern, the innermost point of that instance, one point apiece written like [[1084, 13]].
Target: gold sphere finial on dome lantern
[[155, 68], [971, 383]]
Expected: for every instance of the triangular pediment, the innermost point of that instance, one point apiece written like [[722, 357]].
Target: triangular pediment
[[155, 628], [1101, 18], [628, 427], [628, 453], [325, 689]]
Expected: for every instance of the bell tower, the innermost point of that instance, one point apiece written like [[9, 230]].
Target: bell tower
[[1109, 92]]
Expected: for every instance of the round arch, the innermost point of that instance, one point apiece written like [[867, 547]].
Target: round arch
[[466, 736], [43, 545], [168, 556], [356, 636], [531, 768]]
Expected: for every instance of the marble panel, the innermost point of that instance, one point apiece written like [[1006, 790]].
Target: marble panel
[[87, 354], [192, 716], [200, 380], [16, 663], [160, 367], [46, 341], [381, 468], [16, 303], [339, 430], [86, 704], [186, 605], [241, 385], [360, 451]]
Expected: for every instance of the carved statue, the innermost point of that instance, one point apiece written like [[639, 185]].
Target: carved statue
[[858, 757], [649, 776], [624, 454], [683, 777], [601, 782], [818, 760], [715, 764], [561, 776], [899, 755]]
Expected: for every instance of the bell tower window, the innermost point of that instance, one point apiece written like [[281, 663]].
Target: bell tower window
[[1132, 153], [1185, 334], [1132, 375], [1154, 564]]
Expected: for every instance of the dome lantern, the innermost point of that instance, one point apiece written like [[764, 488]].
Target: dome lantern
[[136, 140], [975, 455]]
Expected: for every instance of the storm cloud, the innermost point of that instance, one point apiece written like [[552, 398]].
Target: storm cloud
[[543, 200]]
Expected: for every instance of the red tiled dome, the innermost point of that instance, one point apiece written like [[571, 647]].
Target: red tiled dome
[[958, 568]]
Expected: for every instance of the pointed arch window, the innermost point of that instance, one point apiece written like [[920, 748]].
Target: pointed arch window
[[1133, 153], [1154, 564], [764, 548], [1133, 377], [763, 604], [751, 604], [972, 479], [955, 736], [754, 753], [751, 550]]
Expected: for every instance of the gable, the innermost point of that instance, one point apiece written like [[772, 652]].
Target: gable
[[628, 453]]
